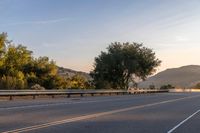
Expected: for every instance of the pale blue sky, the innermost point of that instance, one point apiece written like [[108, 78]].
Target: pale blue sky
[[73, 32]]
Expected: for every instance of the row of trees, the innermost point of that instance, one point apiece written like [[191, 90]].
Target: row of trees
[[114, 69], [20, 70]]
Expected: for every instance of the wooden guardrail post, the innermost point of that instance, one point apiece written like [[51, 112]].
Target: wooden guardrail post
[[68, 95], [11, 98]]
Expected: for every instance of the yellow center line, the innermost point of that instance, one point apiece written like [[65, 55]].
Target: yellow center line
[[30, 128]]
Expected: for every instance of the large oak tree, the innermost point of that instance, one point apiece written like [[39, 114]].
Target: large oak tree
[[122, 63]]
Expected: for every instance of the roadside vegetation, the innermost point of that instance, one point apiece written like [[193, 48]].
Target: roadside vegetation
[[166, 87], [114, 69], [20, 70], [197, 86]]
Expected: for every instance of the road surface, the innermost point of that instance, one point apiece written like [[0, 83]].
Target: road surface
[[145, 113]]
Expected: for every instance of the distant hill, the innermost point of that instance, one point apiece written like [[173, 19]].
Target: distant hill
[[183, 77], [69, 72]]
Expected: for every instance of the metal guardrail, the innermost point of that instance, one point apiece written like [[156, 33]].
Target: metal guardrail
[[146, 91], [69, 93], [53, 93]]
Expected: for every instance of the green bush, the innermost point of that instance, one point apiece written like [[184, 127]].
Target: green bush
[[152, 87], [168, 86], [9, 82], [37, 87], [79, 82], [197, 86]]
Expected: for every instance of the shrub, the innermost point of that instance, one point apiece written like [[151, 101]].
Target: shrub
[[9, 82], [197, 86], [37, 87], [152, 87], [168, 86]]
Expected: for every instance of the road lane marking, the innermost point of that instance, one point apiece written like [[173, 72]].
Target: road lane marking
[[182, 122], [80, 118], [63, 103]]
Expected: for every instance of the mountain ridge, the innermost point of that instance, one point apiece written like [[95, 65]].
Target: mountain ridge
[[67, 72], [181, 77]]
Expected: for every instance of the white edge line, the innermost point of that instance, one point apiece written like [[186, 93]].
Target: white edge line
[[182, 122]]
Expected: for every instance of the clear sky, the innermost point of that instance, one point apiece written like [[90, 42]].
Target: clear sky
[[73, 32]]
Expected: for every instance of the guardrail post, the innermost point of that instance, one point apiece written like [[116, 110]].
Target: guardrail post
[[34, 96], [68, 95], [11, 98], [92, 94], [81, 94], [52, 96]]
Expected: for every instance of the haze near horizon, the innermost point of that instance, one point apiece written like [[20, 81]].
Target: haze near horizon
[[73, 32]]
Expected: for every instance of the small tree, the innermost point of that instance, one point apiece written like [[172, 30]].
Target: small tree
[[197, 86], [168, 86], [78, 82], [152, 87], [3, 43]]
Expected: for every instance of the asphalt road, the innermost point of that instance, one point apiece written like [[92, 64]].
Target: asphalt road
[[146, 113]]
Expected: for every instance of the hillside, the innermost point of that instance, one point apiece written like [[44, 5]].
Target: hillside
[[184, 77], [69, 72]]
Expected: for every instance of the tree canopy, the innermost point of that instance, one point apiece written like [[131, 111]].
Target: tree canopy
[[122, 63], [20, 70]]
